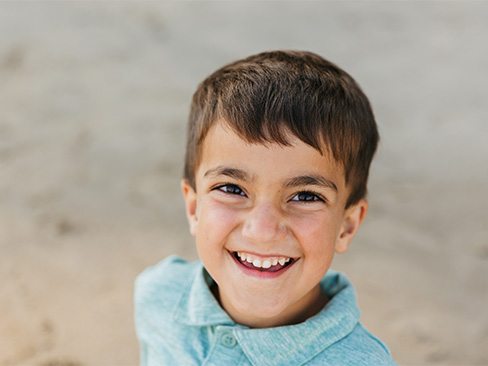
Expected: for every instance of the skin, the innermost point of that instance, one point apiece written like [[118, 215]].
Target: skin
[[248, 199]]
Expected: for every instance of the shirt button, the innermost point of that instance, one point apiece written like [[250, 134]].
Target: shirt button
[[228, 340]]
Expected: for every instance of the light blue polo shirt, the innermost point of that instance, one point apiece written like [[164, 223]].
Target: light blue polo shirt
[[179, 322]]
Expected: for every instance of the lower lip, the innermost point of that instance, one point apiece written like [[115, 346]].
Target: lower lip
[[257, 273]]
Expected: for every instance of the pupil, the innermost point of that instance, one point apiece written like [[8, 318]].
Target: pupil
[[306, 197]]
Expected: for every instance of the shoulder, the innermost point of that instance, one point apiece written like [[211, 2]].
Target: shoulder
[[370, 347], [162, 281], [158, 289], [360, 348], [160, 272]]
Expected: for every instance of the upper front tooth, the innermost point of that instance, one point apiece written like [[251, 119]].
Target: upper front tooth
[[262, 263]]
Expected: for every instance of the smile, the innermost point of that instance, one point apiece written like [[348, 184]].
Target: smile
[[265, 267]]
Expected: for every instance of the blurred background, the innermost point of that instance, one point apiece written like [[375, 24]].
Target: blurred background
[[94, 98]]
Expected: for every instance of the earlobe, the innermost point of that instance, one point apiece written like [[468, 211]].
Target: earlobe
[[353, 217], [190, 197]]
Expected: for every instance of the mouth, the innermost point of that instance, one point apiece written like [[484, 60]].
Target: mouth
[[262, 266]]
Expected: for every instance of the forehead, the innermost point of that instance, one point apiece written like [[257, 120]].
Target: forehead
[[223, 147]]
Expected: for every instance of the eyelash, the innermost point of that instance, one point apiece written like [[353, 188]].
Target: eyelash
[[224, 188], [315, 197], [233, 187]]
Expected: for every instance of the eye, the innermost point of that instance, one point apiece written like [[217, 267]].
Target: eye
[[307, 197], [231, 189]]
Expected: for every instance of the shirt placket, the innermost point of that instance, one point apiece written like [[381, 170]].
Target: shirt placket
[[225, 348]]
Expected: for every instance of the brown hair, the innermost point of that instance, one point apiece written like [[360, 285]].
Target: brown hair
[[264, 96]]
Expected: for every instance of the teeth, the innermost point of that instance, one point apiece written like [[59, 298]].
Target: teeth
[[266, 263]]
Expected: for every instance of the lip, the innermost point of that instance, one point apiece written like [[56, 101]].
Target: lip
[[257, 273]]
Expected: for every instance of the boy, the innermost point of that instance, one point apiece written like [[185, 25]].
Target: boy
[[278, 152]]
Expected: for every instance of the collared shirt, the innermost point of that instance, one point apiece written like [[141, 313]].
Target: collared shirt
[[179, 322]]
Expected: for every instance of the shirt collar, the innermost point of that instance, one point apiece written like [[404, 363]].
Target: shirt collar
[[335, 321], [198, 306]]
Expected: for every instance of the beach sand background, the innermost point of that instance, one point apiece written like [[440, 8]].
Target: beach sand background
[[93, 104]]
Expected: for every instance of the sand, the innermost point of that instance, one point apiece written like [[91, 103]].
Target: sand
[[93, 103]]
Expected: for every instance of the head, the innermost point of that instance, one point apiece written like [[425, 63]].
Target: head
[[278, 152], [272, 95]]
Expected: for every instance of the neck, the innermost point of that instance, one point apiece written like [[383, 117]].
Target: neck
[[307, 307]]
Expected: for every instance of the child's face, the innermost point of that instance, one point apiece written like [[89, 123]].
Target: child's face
[[270, 204]]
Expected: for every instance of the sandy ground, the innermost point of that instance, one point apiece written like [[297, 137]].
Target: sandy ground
[[93, 103]]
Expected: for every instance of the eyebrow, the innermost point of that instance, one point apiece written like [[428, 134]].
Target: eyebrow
[[229, 172], [311, 180], [302, 180]]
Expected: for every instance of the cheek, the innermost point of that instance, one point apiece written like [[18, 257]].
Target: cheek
[[216, 220], [316, 233]]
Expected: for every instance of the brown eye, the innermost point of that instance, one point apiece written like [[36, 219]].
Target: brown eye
[[231, 189], [307, 197]]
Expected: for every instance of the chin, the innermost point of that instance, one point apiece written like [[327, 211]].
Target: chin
[[259, 311]]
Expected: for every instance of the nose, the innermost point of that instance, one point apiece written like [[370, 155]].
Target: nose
[[263, 224]]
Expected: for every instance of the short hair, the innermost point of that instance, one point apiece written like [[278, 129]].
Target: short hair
[[265, 96]]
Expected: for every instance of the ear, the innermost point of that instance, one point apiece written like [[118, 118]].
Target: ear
[[353, 217], [190, 197]]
